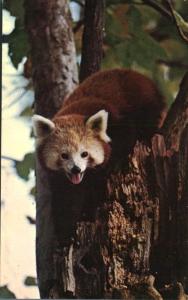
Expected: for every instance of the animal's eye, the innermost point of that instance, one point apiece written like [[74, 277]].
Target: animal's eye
[[84, 154], [65, 156]]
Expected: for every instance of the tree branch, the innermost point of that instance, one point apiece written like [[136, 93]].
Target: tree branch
[[9, 158], [92, 38], [173, 63], [161, 9], [168, 13], [5, 38], [180, 31], [178, 114], [79, 3], [78, 26]]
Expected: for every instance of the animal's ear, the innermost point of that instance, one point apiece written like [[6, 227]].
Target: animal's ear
[[42, 126], [98, 123]]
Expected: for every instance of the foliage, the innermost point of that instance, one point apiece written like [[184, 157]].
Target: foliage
[[26, 112], [24, 167], [128, 50], [16, 8], [137, 36], [18, 49], [5, 293], [30, 281], [17, 39], [18, 45]]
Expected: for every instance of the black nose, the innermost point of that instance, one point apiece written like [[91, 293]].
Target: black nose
[[75, 170]]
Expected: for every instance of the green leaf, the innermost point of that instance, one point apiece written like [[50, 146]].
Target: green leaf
[[30, 281], [167, 29], [148, 50], [33, 191], [134, 20], [141, 50], [119, 56], [113, 28], [15, 8], [27, 112], [111, 60], [17, 39], [182, 8], [5, 293], [24, 167], [177, 50], [18, 43], [150, 17], [115, 2]]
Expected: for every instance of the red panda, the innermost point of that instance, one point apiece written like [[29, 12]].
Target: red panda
[[108, 106]]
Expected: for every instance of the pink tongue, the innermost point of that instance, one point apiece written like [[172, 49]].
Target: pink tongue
[[76, 178]]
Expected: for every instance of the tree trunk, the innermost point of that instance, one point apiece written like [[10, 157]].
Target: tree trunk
[[54, 68], [92, 42], [138, 227], [171, 170]]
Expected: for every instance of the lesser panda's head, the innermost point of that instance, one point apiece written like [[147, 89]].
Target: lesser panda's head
[[71, 143]]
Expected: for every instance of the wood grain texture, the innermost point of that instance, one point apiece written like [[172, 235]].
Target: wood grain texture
[[92, 41], [54, 74]]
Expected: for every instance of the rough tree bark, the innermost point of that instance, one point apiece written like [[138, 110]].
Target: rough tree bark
[[138, 227], [48, 24], [170, 152], [92, 41]]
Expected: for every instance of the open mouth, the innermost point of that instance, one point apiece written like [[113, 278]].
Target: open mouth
[[75, 178]]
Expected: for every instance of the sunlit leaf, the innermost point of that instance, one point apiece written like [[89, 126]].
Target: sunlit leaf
[[180, 21]]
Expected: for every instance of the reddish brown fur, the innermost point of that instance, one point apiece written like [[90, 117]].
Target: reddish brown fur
[[73, 131], [126, 89], [121, 93]]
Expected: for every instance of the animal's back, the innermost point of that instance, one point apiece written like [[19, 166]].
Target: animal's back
[[119, 91]]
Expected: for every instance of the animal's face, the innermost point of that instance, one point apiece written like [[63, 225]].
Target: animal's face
[[72, 144]]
